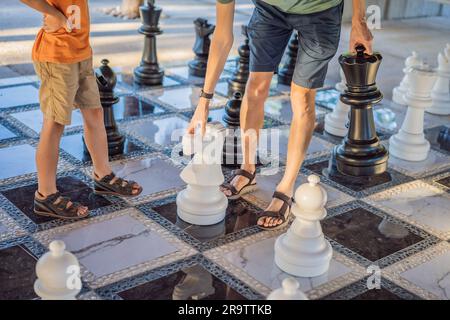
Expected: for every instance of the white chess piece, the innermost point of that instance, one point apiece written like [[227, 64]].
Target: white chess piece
[[398, 94], [336, 121], [58, 274], [289, 291], [303, 250], [410, 143], [441, 90], [202, 202]]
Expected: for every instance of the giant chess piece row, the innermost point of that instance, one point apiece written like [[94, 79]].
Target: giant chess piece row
[[203, 30], [149, 72], [238, 79], [202, 202], [286, 72], [398, 93]]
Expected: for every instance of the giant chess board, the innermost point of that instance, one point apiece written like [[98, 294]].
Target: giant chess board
[[137, 248]]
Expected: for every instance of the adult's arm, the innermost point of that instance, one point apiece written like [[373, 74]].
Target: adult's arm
[[360, 33]]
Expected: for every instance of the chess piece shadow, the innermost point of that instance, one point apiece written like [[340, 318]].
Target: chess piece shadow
[[196, 284]]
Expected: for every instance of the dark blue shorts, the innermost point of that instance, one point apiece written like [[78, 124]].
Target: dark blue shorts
[[269, 32]]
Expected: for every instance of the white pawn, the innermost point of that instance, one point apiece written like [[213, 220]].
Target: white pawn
[[289, 291], [336, 121], [398, 94], [202, 202], [410, 143], [303, 250], [441, 90], [58, 274]]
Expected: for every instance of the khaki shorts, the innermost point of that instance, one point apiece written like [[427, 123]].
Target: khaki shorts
[[66, 86]]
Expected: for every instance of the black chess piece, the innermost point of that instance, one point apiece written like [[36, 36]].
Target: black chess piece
[[444, 139], [286, 72], [232, 154], [238, 80], [149, 73], [106, 81], [361, 153], [203, 30]]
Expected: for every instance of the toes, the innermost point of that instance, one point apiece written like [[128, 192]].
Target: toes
[[260, 221]]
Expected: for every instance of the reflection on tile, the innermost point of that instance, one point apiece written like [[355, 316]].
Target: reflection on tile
[[147, 171], [355, 184], [18, 96], [183, 72], [445, 182], [258, 261], [327, 98], [73, 144], [160, 131], [280, 108], [420, 202], [191, 283], [267, 184], [239, 215], [128, 79], [17, 274], [70, 186], [22, 162], [5, 133], [129, 106], [368, 234], [34, 119]]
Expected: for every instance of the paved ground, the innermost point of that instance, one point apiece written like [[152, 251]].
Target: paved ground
[[119, 41]]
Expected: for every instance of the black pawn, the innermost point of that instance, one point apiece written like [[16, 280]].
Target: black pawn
[[203, 30], [238, 80], [106, 81], [361, 153], [149, 73], [286, 72], [232, 154], [444, 138]]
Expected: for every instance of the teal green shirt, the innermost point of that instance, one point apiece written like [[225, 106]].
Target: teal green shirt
[[299, 6]]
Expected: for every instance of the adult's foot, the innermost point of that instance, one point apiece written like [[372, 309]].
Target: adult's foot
[[274, 206], [239, 181]]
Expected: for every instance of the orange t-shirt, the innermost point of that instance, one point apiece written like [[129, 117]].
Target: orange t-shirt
[[62, 46]]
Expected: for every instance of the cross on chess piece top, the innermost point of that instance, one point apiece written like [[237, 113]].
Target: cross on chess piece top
[[56, 271], [290, 290], [203, 30]]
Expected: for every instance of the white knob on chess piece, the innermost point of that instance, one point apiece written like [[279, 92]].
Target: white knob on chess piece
[[303, 250], [336, 121], [58, 274], [409, 143], [398, 93], [441, 90], [289, 291]]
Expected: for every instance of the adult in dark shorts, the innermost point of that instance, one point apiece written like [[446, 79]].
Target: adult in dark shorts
[[318, 23]]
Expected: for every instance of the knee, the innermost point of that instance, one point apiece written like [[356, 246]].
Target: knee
[[93, 117], [52, 127], [257, 90]]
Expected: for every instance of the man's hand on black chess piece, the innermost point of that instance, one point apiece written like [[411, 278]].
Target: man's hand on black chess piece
[[360, 35]]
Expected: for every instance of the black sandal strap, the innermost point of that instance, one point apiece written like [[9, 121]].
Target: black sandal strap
[[241, 172], [57, 204], [287, 200], [230, 187]]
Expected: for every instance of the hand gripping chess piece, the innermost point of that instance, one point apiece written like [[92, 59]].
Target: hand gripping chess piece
[[441, 90], [336, 121], [197, 284], [303, 250], [289, 291], [58, 274], [398, 93], [202, 202], [410, 143]]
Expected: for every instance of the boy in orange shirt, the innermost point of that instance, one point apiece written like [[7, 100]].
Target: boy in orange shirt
[[62, 59]]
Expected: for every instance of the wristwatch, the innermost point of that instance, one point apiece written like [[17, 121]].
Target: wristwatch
[[205, 95]]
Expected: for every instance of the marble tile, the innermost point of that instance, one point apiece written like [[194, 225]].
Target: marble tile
[[355, 184], [146, 171], [183, 72], [17, 80], [128, 80], [34, 119], [17, 274], [17, 160], [185, 284], [327, 98], [239, 215], [420, 204], [184, 98], [280, 108], [73, 145], [367, 234], [267, 184], [6, 133], [129, 107], [69, 186], [444, 182], [164, 131], [18, 96]]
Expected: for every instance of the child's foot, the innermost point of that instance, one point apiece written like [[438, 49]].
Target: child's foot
[[57, 206], [111, 184]]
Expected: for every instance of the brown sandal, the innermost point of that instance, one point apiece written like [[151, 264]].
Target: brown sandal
[[249, 187], [283, 213], [57, 206], [120, 187]]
